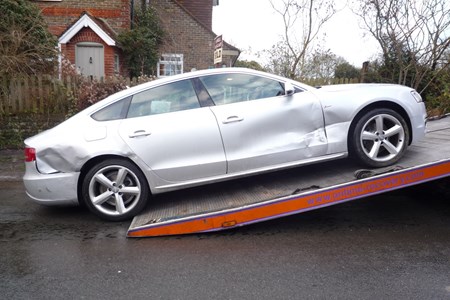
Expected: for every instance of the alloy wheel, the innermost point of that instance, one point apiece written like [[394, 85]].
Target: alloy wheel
[[382, 137]]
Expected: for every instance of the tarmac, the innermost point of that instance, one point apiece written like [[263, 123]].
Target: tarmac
[[12, 166]]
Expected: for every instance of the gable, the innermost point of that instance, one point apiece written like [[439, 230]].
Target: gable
[[86, 21]]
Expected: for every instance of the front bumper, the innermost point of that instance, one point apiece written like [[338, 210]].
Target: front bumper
[[419, 123], [51, 189]]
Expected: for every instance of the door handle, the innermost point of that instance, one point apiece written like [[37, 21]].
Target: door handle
[[138, 133], [232, 119]]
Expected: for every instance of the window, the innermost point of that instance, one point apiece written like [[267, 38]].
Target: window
[[167, 98], [116, 64], [115, 111], [170, 64], [231, 88]]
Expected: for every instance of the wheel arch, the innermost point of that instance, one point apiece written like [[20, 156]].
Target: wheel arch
[[380, 104], [91, 163]]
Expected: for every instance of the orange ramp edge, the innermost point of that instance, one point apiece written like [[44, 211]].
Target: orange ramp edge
[[297, 203]]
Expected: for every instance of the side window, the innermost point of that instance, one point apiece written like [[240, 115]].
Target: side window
[[167, 98], [231, 88], [115, 111]]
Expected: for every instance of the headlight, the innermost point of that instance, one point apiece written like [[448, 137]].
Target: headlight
[[416, 96]]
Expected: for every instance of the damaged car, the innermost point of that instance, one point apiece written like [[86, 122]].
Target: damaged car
[[213, 125]]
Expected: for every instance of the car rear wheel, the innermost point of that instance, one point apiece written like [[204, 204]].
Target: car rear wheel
[[380, 138], [115, 190]]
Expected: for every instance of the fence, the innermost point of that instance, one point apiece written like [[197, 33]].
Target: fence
[[51, 95], [38, 94]]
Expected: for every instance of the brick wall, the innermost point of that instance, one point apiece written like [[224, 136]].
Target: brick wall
[[16, 128], [200, 9], [62, 14], [184, 35], [88, 35]]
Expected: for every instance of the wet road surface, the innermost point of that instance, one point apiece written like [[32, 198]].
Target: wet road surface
[[392, 246]]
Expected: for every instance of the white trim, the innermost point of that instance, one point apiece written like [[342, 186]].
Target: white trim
[[86, 21], [59, 61]]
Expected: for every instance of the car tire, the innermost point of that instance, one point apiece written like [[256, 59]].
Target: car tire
[[380, 137], [115, 190]]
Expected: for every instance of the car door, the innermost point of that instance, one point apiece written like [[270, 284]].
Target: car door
[[260, 126], [173, 135]]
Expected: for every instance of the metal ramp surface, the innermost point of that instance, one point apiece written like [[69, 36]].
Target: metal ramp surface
[[244, 201]]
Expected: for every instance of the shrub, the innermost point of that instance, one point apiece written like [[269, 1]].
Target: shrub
[[437, 95]]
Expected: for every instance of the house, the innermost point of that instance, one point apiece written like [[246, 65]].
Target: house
[[87, 34]]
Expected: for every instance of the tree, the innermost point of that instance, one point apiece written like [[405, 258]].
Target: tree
[[303, 20], [279, 59], [413, 36], [321, 64], [249, 64], [140, 44], [346, 70], [26, 45]]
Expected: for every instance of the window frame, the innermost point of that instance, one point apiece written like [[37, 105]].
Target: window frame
[[116, 64], [170, 59]]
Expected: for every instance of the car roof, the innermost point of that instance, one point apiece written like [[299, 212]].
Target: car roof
[[197, 73]]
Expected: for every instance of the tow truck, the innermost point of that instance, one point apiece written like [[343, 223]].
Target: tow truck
[[255, 199]]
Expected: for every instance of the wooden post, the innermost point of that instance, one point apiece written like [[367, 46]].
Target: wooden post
[[41, 94], [13, 95], [33, 93], [364, 70], [26, 95]]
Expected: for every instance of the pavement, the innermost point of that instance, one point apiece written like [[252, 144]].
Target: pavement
[[12, 166]]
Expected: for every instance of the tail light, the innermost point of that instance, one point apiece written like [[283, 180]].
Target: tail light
[[30, 154]]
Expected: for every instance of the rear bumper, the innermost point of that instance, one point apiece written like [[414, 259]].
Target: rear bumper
[[51, 189]]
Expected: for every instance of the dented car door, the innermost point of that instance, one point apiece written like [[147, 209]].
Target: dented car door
[[262, 127]]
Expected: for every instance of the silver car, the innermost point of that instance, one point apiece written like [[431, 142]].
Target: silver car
[[213, 125]]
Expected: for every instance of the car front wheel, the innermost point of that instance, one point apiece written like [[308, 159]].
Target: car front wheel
[[115, 190], [380, 138]]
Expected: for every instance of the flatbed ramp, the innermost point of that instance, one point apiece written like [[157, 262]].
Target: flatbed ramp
[[244, 201]]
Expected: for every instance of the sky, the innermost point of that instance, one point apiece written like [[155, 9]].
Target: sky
[[253, 25]]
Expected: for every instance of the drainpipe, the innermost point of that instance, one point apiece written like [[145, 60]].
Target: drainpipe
[[59, 61], [131, 13]]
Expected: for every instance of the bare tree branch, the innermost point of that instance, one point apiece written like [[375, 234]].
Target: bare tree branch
[[312, 14], [413, 36]]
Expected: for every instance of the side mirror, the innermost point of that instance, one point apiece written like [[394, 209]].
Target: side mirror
[[288, 89]]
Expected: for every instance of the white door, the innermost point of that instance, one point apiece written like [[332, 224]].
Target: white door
[[90, 60]]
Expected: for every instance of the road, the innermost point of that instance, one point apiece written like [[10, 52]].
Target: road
[[392, 246]]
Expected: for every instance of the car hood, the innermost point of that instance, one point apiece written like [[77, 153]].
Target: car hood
[[362, 92], [353, 87]]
